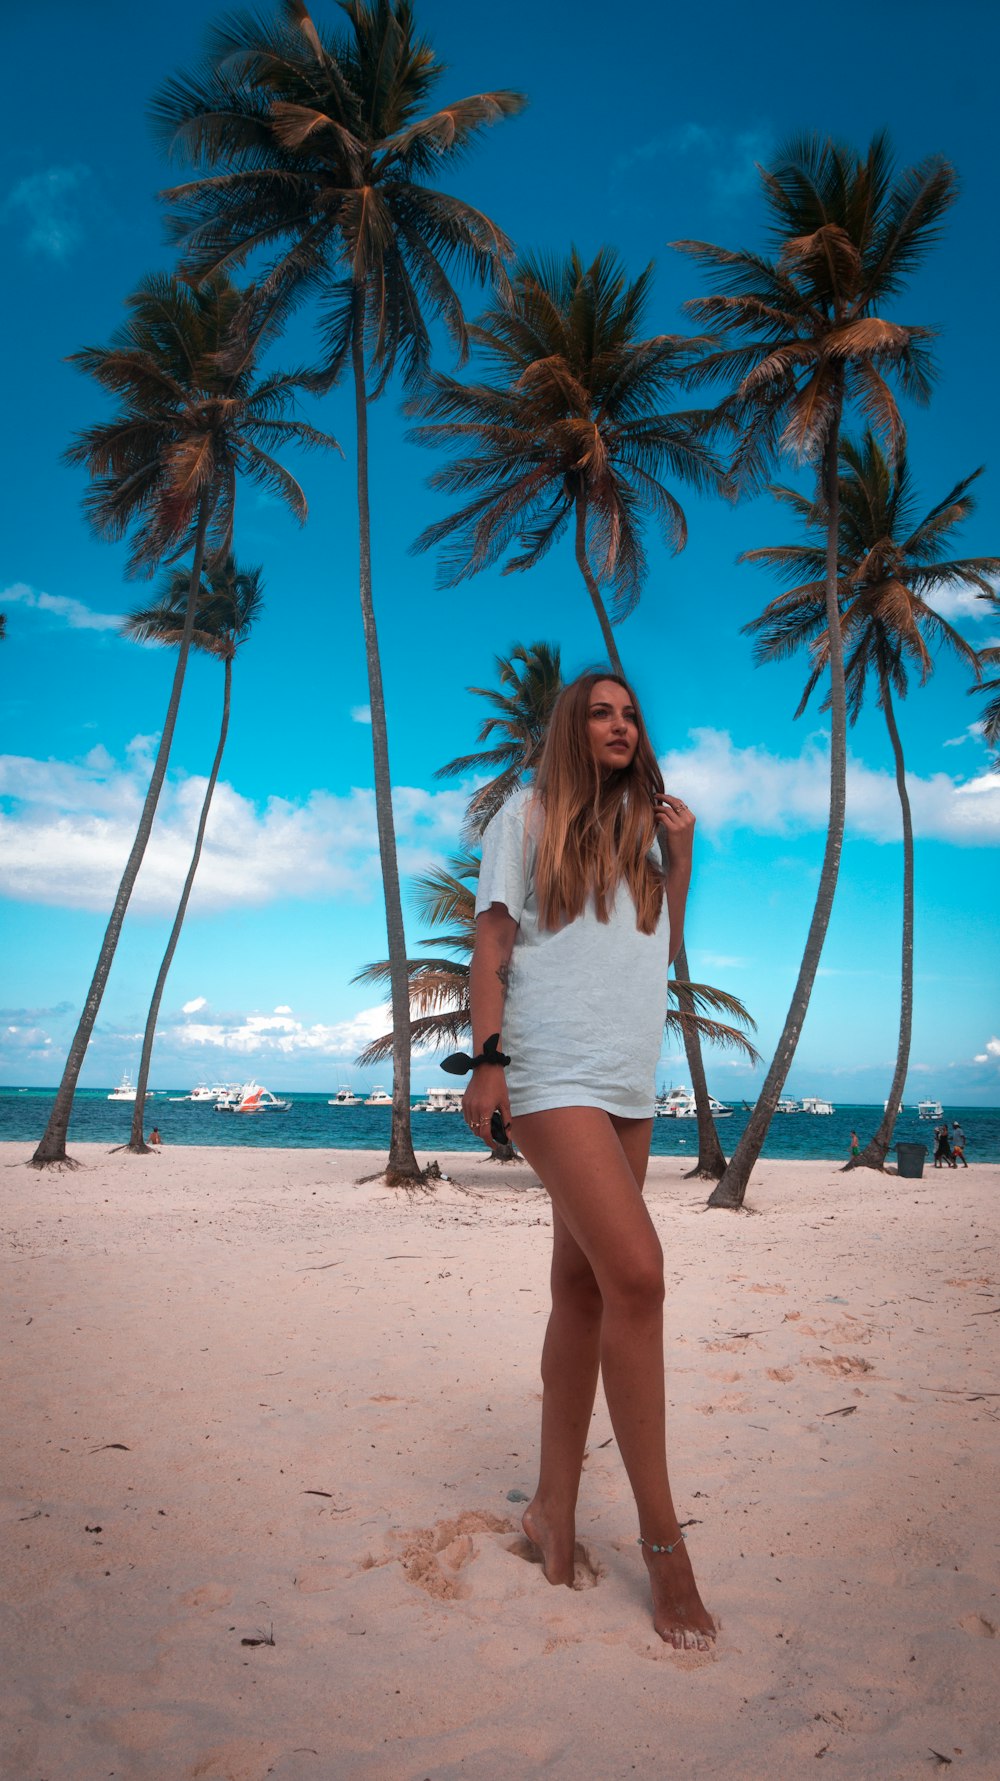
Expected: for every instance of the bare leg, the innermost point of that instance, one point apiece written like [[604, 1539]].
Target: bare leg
[[584, 1162], [570, 1363]]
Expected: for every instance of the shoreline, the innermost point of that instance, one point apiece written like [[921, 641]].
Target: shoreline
[[250, 1389]]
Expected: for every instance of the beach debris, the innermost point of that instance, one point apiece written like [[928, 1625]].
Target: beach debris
[[119, 1447], [262, 1638], [35, 1513], [848, 1410], [317, 1493], [518, 1496], [96, 1529], [940, 1758]]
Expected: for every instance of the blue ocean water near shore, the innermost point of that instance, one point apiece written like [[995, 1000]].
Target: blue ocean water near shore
[[311, 1124]]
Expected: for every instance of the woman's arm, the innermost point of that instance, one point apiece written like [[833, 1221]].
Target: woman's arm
[[677, 822], [496, 931]]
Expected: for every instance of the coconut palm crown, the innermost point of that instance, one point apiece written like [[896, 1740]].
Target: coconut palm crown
[[530, 680], [326, 153], [569, 423]]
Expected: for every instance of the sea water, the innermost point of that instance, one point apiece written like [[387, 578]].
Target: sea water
[[310, 1123]]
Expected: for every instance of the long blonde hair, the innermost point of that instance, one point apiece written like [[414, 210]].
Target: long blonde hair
[[597, 828]]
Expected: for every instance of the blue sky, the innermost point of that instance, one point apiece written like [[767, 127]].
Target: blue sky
[[634, 136]]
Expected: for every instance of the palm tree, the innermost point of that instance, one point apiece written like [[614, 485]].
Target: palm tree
[[191, 419], [804, 337], [439, 986], [991, 711], [891, 566], [530, 681], [229, 603], [323, 151], [571, 426]]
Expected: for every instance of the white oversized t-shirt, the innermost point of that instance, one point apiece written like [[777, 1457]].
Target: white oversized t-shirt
[[583, 1020]]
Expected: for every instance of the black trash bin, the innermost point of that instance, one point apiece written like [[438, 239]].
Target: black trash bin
[[910, 1160]]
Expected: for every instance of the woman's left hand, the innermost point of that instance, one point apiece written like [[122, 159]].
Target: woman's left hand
[[677, 821]]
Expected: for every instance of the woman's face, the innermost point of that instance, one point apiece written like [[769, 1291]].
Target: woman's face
[[612, 726]]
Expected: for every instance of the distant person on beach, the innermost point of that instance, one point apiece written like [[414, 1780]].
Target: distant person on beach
[[855, 1145], [942, 1148], [154, 1136], [576, 927], [958, 1145]]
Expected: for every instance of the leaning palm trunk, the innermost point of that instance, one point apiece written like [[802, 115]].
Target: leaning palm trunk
[[137, 1142], [711, 1161], [874, 1153], [52, 1146], [732, 1188], [402, 1161]]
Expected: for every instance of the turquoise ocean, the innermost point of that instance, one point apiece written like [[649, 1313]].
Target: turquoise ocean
[[309, 1124]]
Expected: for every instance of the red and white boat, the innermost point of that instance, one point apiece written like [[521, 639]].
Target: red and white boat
[[252, 1099]]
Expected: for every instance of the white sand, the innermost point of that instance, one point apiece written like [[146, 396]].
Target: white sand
[[242, 1392]]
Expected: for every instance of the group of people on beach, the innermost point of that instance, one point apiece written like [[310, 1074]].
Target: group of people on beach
[[949, 1150]]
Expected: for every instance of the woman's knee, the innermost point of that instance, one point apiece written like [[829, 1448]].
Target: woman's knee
[[636, 1286]]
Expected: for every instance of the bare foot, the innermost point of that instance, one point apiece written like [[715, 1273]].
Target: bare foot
[[679, 1614], [555, 1540]]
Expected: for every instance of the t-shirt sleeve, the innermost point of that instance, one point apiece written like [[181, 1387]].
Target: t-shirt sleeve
[[503, 874]]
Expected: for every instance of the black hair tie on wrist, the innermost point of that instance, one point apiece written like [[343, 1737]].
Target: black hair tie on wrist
[[459, 1063]]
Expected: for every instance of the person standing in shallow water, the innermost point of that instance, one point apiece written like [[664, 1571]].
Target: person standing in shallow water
[[576, 926]]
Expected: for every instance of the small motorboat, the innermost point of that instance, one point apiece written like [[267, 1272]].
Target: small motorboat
[[345, 1097], [787, 1105], [378, 1097], [816, 1104], [441, 1100], [930, 1110], [126, 1090]]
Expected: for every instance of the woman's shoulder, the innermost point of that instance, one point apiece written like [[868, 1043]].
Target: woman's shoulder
[[514, 814]]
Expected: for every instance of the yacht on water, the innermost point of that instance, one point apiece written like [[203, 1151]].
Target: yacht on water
[[441, 1100], [251, 1098], [816, 1104], [679, 1103], [208, 1096], [345, 1097], [126, 1090], [378, 1097], [787, 1105], [930, 1109]]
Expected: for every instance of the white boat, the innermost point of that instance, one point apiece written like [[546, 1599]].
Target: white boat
[[676, 1103], [252, 1099], [378, 1097], [441, 1100], [345, 1097], [126, 1090], [787, 1105], [816, 1104], [930, 1110]]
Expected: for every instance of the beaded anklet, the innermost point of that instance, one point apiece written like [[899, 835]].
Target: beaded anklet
[[641, 1541]]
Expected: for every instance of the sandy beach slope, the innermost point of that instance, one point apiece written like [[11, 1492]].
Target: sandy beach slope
[[242, 1393]]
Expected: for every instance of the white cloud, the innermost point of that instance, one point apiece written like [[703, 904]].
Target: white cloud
[[731, 787], [71, 824], [281, 1035], [992, 1051], [961, 602], [725, 160], [971, 734], [722, 961], [60, 606], [283, 1009], [49, 202], [195, 1006], [361, 714]]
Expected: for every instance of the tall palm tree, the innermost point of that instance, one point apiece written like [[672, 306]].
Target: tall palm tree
[[991, 710], [318, 146], [571, 426], [805, 336], [891, 567], [192, 417], [229, 603]]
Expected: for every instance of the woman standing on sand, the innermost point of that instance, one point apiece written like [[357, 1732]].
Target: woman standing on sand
[[576, 928]]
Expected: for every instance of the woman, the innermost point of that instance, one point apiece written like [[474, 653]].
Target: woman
[[576, 927]]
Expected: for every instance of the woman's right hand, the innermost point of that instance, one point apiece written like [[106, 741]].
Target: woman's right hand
[[486, 1095]]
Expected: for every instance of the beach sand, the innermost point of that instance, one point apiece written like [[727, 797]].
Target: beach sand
[[243, 1392]]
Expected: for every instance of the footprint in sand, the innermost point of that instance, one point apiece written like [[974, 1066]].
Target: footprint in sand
[[587, 1571], [433, 1558], [843, 1366], [980, 1627]]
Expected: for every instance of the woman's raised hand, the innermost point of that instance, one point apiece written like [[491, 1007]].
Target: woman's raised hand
[[677, 820]]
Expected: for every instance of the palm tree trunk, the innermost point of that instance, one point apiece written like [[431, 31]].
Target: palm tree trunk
[[711, 1164], [874, 1153], [732, 1188], [402, 1165], [592, 588], [137, 1143], [52, 1145]]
